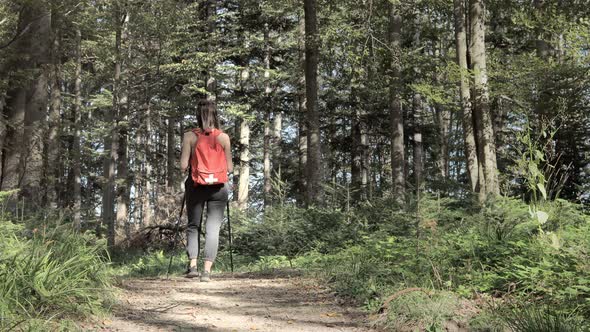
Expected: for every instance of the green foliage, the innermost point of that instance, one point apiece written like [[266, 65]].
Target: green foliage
[[268, 264], [532, 163], [291, 231], [531, 318], [150, 264], [155, 263], [373, 251], [48, 274], [425, 312]]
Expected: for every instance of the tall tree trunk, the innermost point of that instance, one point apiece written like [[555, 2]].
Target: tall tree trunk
[[366, 184], [314, 165], [211, 83], [541, 44], [418, 106], [364, 154], [417, 142], [170, 154], [266, 160], [267, 118], [242, 171], [13, 145], [356, 148], [52, 161], [147, 162], [302, 117], [76, 148], [139, 172], [443, 121], [544, 110], [277, 128], [3, 129], [481, 95], [243, 183], [465, 94], [113, 152], [396, 117], [16, 102], [36, 109], [123, 187]]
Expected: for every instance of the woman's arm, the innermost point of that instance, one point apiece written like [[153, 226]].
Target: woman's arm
[[187, 142], [225, 142]]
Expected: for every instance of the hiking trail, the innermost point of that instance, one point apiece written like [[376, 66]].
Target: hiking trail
[[244, 302]]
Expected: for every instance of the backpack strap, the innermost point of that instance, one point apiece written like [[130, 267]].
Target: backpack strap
[[214, 132], [197, 131]]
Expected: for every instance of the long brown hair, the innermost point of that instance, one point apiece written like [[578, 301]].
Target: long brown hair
[[207, 114]]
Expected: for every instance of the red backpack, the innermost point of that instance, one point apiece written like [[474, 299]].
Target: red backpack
[[208, 162]]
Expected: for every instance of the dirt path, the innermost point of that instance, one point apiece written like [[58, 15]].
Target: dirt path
[[239, 303]]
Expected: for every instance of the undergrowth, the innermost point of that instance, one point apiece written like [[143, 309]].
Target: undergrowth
[[475, 267], [500, 252], [49, 276]]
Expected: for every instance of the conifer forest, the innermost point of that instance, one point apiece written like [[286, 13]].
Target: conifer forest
[[424, 165]]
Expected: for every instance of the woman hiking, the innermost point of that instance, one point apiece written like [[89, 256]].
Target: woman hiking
[[206, 153]]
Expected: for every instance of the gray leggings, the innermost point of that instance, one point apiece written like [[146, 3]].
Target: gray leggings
[[215, 197]]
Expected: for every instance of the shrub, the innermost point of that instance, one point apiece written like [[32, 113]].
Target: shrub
[[499, 249], [52, 273], [423, 312], [534, 318], [291, 231]]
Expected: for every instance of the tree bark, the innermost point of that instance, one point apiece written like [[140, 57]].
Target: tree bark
[[355, 148], [418, 148], [11, 171], [113, 121], [543, 48], [364, 154], [76, 148], [147, 160], [15, 105], [170, 154], [396, 117], [302, 116], [123, 187], [31, 161], [469, 132], [417, 143], [277, 128], [243, 183], [211, 83], [481, 95], [267, 187], [242, 171], [3, 129], [267, 118], [314, 166], [52, 160], [443, 121]]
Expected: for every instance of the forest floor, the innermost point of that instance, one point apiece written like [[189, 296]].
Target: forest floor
[[242, 302]]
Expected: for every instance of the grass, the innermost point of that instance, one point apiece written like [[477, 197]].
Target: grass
[[50, 275], [539, 318], [495, 252]]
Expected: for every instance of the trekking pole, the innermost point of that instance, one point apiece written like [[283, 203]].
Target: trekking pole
[[231, 256], [176, 234]]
